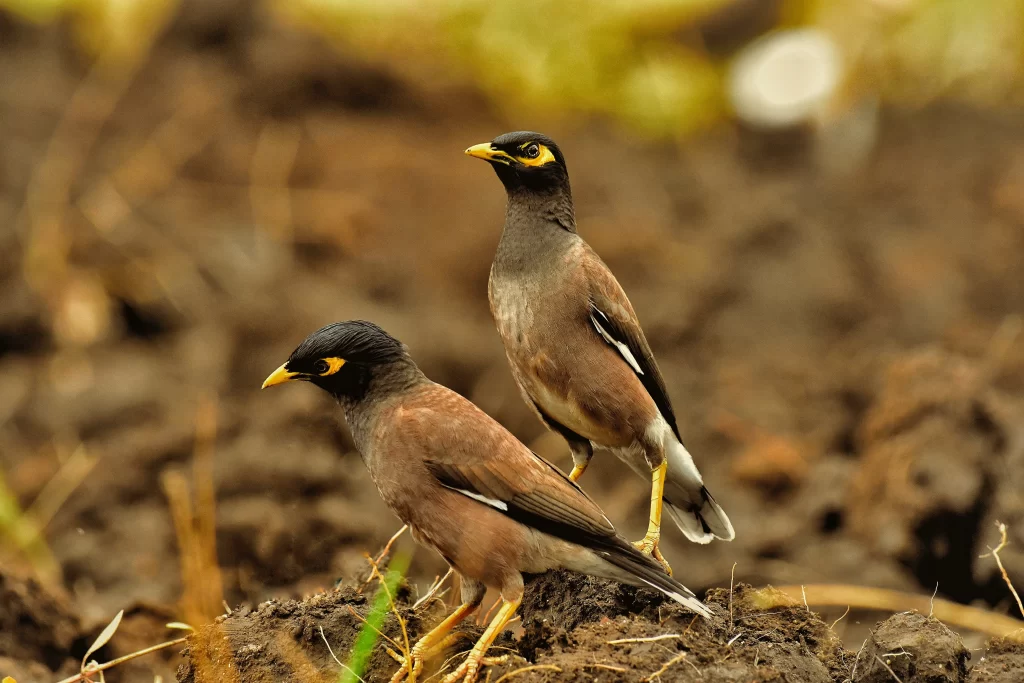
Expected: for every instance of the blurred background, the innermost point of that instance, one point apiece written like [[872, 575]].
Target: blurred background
[[816, 207]]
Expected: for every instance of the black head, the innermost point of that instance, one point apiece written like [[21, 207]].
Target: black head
[[342, 358], [525, 160]]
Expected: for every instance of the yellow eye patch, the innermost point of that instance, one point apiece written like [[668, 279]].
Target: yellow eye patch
[[333, 365], [544, 157]]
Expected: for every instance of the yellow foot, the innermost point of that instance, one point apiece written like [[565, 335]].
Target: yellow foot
[[648, 545], [410, 671], [470, 667], [576, 473]]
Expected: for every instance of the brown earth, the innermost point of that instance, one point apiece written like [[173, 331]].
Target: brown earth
[[755, 635], [841, 349]]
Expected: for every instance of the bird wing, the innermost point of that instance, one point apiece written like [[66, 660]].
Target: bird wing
[[529, 497], [467, 451], [614, 320]]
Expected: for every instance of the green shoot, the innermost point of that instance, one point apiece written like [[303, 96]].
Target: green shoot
[[382, 604], [22, 532]]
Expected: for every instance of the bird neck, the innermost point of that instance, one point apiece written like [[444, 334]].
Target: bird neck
[[553, 206], [383, 384], [539, 229]]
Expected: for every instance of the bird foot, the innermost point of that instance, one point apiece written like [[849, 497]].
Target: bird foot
[[409, 670], [421, 652], [411, 666], [648, 545], [470, 667]]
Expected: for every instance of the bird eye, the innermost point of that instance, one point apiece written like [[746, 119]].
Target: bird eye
[[533, 151], [321, 367]]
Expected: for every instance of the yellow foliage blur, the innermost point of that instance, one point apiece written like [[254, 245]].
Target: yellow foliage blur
[[638, 61]]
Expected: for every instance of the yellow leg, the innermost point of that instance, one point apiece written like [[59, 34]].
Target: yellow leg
[[582, 452], [432, 643], [649, 544], [469, 668]]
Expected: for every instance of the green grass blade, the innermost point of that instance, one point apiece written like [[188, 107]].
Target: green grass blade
[[368, 636]]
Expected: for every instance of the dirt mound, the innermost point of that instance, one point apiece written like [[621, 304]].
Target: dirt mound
[[617, 634], [1002, 663], [38, 630], [912, 648], [607, 632], [288, 640], [757, 634]]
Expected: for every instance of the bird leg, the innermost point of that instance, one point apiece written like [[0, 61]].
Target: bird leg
[[649, 544], [582, 452], [470, 666], [431, 644]]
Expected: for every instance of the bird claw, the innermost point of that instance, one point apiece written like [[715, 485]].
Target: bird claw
[[470, 667], [648, 545], [407, 673]]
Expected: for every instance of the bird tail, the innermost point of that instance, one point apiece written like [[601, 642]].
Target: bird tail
[[703, 523], [642, 570], [689, 502]]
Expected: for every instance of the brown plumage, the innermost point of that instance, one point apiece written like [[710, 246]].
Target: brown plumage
[[465, 486], [574, 343]]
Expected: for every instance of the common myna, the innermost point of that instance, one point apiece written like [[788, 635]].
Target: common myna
[[465, 486], [574, 343]]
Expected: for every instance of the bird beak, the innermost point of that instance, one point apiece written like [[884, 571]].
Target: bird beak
[[279, 376], [488, 152]]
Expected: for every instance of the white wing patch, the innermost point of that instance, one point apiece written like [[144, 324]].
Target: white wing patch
[[496, 504], [619, 346]]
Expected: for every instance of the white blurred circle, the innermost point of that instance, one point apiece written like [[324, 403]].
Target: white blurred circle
[[784, 78]]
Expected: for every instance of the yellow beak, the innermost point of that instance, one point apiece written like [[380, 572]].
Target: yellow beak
[[279, 376], [488, 153]]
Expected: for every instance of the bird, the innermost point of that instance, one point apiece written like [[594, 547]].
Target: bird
[[464, 485], [575, 345]]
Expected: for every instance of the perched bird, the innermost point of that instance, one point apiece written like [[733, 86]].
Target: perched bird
[[465, 486], [574, 343]]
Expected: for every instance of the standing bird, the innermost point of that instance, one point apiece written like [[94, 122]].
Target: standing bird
[[465, 486], [575, 346]]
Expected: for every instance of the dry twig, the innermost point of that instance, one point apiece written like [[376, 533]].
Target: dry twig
[[994, 553], [91, 669], [375, 562], [335, 657], [60, 487], [651, 639], [534, 667], [394, 608], [732, 580], [832, 627], [666, 666], [606, 667], [438, 582], [862, 597]]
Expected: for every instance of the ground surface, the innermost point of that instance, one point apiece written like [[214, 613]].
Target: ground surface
[[840, 349], [755, 635]]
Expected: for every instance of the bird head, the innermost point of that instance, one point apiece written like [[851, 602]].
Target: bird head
[[524, 160], [342, 359]]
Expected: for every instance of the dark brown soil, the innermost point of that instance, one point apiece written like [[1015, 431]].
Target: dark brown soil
[[282, 640], [912, 647], [841, 350], [36, 626], [1003, 662], [755, 635]]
